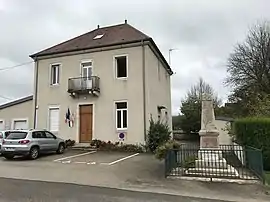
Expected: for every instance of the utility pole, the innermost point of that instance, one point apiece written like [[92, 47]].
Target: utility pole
[[170, 50]]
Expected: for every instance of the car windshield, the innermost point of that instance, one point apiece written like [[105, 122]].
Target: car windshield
[[16, 135], [1, 135]]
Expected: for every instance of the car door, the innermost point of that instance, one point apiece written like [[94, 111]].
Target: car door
[[40, 138], [51, 140]]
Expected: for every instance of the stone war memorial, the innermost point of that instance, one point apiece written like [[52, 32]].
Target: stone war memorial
[[210, 161]]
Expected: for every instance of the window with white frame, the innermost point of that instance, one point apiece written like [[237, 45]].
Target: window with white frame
[[121, 66], [2, 125], [121, 115], [87, 68], [53, 119], [55, 70]]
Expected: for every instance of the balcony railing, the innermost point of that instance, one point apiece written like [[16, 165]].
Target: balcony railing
[[82, 85]]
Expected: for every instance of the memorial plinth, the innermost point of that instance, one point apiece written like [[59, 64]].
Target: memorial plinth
[[210, 160]]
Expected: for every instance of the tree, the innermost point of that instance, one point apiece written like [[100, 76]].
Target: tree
[[249, 71], [191, 106]]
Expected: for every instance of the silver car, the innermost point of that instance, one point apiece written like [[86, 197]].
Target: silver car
[[30, 143]]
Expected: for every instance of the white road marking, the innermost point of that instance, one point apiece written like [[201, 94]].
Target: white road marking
[[122, 159], [65, 161], [91, 163], [80, 162], [69, 157], [104, 164]]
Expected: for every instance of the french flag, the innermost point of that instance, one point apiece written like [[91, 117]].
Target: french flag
[[67, 120]]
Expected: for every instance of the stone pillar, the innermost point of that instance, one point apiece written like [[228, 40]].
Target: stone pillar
[[209, 132]]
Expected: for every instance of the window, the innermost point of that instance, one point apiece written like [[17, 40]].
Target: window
[[16, 135], [53, 119], [20, 124], [49, 135], [55, 69], [99, 36], [121, 66], [38, 134], [2, 125], [121, 115], [1, 135], [87, 70]]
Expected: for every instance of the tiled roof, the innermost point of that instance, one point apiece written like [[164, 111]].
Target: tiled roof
[[117, 34], [107, 36]]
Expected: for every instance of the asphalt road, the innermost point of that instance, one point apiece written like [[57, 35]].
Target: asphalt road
[[36, 191]]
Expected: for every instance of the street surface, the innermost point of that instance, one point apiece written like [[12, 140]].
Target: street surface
[[76, 176], [36, 191]]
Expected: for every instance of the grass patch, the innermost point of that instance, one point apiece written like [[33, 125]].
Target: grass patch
[[267, 177]]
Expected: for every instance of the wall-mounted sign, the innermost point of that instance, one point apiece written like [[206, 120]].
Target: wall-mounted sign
[[121, 136]]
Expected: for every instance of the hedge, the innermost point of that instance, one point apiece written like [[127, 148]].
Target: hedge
[[254, 132]]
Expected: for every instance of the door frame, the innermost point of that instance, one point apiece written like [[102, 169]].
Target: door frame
[[78, 120]]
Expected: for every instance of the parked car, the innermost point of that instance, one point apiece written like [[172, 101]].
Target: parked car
[[3, 135], [30, 143]]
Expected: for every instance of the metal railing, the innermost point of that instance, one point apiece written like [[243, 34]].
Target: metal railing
[[83, 84], [228, 161]]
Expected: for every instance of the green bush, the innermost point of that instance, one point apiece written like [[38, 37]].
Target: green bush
[[70, 143], [162, 150], [189, 162], [158, 134], [254, 132], [109, 146]]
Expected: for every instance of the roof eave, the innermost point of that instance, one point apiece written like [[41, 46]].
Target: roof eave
[[15, 102], [39, 54]]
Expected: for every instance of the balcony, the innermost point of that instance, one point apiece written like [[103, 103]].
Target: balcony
[[84, 85]]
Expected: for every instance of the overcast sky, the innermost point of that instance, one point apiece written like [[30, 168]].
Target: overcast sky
[[203, 32]]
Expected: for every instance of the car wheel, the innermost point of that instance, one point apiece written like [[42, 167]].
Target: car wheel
[[61, 148], [9, 157], [34, 153]]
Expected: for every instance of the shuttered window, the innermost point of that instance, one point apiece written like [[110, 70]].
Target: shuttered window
[[20, 124], [2, 126], [53, 119]]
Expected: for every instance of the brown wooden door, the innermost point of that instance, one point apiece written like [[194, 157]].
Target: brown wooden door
[[86, 123]]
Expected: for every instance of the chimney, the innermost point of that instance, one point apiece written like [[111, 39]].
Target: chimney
[[126, 21], [98, 26]]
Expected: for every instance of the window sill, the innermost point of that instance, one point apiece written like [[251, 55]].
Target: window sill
[[121, 129], [122, 78]]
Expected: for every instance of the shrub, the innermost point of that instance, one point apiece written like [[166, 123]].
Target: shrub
[[189, 162], [109, 146], [158, 134], [254, 132], [162, 150], [69, 143]]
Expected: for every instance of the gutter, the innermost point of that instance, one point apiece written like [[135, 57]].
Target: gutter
[[143, 80], [35, 94]]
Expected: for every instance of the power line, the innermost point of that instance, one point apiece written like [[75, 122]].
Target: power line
[[22, 64]]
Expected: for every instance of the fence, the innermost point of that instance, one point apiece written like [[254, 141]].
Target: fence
[[229, 161]]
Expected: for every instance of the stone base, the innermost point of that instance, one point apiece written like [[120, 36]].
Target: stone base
[[229, 172], [210, 154], [211, 164]]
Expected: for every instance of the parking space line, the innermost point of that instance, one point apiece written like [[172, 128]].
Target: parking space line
[[122, 159], [80, 162], [69, 157]]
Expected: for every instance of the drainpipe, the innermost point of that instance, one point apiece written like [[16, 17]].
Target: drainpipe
[[35, 93], [143, 80]]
